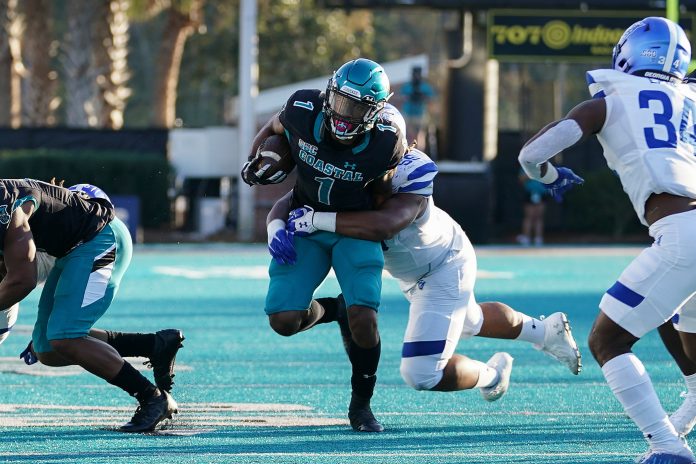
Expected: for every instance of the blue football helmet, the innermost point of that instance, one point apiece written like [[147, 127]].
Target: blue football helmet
[[654, 47], [91, 191], [355, 95]]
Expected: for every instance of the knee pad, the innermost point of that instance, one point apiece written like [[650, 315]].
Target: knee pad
[[473, 320], [8, 318], [421, 372]]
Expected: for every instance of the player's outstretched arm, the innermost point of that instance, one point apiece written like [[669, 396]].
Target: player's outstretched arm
[[585, 119]]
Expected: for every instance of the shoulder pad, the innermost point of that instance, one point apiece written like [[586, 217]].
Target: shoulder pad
[[603, 82], [304, 100], [390, 115], [415, 174]]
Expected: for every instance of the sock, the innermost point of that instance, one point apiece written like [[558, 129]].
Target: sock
[[631, 385], [132, 382], [364, 362], [330, 306], [131, 344], [690, 381], [487, 375], [533, 330]]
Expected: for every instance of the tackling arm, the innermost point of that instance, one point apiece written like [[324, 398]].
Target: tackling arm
[[381, 188], [394, 215]]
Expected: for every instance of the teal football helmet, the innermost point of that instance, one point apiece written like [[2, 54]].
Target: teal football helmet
[[355, 95]]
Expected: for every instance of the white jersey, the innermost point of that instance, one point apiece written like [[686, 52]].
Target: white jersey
[[432, 238], [648, 136]]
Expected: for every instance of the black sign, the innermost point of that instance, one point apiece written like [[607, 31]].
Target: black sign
[[539, 35]]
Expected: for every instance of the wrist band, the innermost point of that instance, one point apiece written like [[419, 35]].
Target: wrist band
[[550, 176], [325, 221]]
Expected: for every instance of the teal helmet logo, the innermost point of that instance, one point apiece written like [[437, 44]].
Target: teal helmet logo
[[355, 95]]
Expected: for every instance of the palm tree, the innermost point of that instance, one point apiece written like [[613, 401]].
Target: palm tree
[[76, 59], [10, 64], [94, 60], [181, 19], [39, 100], [111, 61]]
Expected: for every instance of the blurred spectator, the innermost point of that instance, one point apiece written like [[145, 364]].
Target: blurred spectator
[[418, 93], [534, 207]]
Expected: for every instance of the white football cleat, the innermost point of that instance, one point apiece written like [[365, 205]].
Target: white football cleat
[[684, 418], [559, 342], [501, 362]]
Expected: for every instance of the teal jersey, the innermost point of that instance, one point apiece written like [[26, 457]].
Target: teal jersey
[[332, 176], [61, 219]]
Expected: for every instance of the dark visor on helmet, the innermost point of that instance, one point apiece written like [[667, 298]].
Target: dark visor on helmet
[[348, 108]]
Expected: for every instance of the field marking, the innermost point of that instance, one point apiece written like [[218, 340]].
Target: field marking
[[261, 272], [12, 365], [193, 418], [353, 454]]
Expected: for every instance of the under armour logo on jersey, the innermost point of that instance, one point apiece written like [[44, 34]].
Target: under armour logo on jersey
[[4, 215], [350, 166], [303, 224], [421, 284]]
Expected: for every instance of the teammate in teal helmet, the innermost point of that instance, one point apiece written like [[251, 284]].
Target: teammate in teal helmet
[[345, 148]]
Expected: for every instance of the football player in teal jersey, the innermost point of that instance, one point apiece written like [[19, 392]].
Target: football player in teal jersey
[[92, 250], [345, 151]]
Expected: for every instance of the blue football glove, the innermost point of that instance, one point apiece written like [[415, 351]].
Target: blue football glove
[[28, 355], [300, 221], [281, 246], [567, 179]]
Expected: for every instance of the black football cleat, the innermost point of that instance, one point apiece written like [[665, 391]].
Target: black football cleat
[[361, 417], [167, 344], [150, 413]]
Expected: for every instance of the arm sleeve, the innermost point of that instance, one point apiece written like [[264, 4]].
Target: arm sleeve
[[563, 135]]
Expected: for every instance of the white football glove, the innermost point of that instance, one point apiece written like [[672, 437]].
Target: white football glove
[[301, 221]]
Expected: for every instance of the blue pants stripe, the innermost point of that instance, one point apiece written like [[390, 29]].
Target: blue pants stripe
[[413, 349], [625, 295]]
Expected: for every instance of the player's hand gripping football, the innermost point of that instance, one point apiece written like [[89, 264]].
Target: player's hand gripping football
[[253, 175], [301, 221], [567, 179], [280, 243]]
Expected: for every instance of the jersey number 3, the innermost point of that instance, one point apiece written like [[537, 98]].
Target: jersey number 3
[[687, 132]]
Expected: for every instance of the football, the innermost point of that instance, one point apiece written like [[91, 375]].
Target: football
[[273, 159]]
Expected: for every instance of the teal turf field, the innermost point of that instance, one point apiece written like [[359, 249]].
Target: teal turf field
[[247, 395]]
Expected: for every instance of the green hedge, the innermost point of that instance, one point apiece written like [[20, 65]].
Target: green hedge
[[116, 172], [601, 206]]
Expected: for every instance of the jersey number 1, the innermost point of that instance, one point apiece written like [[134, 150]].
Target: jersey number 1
[[324, 193]]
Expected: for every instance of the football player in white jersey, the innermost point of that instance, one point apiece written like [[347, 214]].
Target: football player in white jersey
[[643, 115], [435, 264]]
